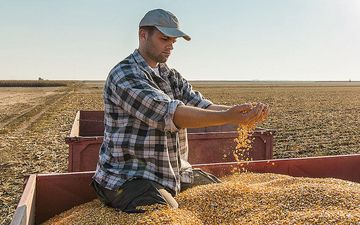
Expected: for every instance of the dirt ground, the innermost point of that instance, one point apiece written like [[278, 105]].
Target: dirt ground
[[310, 119], [16, 103], [34, 139]]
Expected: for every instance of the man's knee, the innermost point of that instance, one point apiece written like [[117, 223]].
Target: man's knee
[[135, 193]]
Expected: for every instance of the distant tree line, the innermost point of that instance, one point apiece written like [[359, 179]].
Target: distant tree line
[[33, 83]]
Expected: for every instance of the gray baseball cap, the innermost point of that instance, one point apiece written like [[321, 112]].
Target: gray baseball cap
[[165, 22]]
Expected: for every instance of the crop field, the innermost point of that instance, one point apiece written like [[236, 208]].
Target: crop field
[[310, 119]]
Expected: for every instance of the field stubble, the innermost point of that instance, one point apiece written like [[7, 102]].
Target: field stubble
[[310, 120], [34, 141]]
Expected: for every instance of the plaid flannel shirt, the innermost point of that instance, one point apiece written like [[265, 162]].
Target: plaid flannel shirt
[[140, 137]]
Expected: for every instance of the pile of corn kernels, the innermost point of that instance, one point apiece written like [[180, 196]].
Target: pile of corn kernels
[[245, 198]]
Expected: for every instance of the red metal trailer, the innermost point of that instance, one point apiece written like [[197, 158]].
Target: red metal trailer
[[46, 195], [87, 131]]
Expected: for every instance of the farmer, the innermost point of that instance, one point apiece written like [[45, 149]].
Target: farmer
[[148, 106]]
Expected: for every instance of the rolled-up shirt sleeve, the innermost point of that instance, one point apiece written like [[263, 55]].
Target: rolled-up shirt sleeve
[[189, 96], [140, 99]]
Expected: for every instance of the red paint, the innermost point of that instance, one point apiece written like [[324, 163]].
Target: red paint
[[56, 193], [206, 145]]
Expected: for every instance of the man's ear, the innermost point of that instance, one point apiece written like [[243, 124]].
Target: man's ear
[[142, 34]]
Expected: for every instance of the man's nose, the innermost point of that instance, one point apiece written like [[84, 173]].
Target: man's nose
[[171, 47]]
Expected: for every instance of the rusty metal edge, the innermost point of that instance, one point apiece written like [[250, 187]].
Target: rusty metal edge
[[25, 211], [277, 160], [224, 134], [80, 138], [63, 174], [227, 163]]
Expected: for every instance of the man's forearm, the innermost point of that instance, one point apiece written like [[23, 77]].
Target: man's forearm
[[192, 117], [218, 107]]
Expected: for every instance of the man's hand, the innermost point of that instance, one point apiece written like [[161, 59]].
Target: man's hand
[[265, 114], [248, 113]]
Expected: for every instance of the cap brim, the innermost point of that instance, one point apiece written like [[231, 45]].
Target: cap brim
[[173, 32]]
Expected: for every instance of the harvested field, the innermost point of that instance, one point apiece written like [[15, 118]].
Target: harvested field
[[311, 119], [38, 147], [19, 104], [241, 199]]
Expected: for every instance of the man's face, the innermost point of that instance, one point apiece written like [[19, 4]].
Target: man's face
[[157, 46]]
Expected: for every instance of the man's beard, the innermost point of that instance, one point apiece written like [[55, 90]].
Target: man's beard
[[158, 58]]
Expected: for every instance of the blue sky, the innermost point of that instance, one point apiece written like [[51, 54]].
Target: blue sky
[[231, 40]]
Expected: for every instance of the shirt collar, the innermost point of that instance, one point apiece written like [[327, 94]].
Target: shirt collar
[[163, 68]]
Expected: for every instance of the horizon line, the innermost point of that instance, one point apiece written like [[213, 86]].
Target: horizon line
[[349, 81]]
